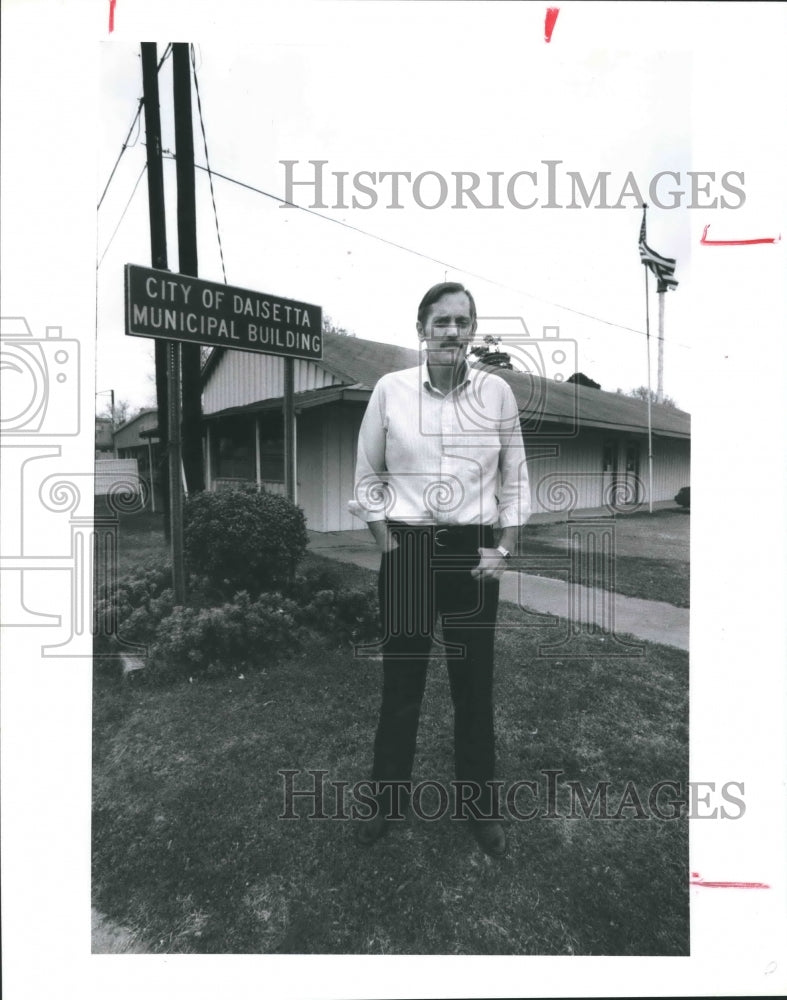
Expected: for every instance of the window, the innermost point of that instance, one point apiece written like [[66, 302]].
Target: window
[[632, 457], [235, 449], [272, 447], [610, 457]]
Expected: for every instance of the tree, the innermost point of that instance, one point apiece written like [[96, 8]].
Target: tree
[[123, 411], [328, 326], [641, 392], [579, 378], [489, 357]]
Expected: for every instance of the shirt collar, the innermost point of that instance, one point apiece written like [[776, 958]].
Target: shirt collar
[[463, 381]]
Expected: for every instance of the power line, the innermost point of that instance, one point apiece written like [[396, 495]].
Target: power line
[[207, 161], [131, 196], [418, 253], [131, 145], [124, 147]]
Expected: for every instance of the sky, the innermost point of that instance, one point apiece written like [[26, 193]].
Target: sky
[[474, 102], [402, 86]]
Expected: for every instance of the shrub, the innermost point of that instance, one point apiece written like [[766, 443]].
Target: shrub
[[243, 633], [243, 539], [683, 497], [134, 609], [358, 613], [314, 576], [213, 637], [239, 634], [330, 606], [346, 616]]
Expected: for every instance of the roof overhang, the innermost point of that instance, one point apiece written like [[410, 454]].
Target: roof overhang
[[354, 394], [301, 401]]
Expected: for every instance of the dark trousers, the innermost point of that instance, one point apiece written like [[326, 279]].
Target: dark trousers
[[425, 580]]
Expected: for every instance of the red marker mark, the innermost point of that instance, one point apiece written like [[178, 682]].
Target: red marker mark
[[549, 22], [697, 879], [735, 243], [111, 15]]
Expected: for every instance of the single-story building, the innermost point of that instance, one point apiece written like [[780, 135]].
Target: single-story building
[[105, 447], [138, 438], [586, 448]]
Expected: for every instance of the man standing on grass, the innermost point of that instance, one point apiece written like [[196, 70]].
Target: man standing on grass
[[441, 464]]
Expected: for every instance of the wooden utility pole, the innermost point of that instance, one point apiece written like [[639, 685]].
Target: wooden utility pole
[[171, 402], [187, 262], [158, 249]]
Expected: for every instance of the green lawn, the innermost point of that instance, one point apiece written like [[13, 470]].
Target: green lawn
[[140, 540], [190, 855], [651, 554]]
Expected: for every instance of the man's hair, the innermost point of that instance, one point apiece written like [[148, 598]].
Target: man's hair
[[436, 292]]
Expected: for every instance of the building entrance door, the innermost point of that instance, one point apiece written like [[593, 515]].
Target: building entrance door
[[632, 481], [609, 466]]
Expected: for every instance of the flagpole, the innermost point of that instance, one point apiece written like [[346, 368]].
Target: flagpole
[[663, 268], [650, 433], [660, 376]]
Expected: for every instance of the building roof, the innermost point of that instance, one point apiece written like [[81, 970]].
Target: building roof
[[359, 364], [364, 362], [350, 359], [136, 417], [564, 402]]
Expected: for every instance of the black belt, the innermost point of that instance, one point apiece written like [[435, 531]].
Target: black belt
[[450, 536]]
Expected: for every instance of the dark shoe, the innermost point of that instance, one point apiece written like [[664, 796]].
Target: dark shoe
[[369, 831], [490, 836]]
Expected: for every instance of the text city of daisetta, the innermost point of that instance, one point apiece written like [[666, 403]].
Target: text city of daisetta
[[175, 306]]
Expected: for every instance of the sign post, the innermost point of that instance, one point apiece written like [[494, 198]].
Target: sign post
[[175, 485], [158, 252], [289, 430]]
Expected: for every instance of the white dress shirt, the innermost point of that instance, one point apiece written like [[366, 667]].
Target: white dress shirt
[[425, 457]]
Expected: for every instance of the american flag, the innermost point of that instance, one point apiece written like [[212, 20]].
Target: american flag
[[662, 267]]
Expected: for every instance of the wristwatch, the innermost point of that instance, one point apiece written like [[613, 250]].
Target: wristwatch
[[503, 552]]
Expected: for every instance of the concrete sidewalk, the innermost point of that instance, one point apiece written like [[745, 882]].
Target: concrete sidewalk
[[653, 621]]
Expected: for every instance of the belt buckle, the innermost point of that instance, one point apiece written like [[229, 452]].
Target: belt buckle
[[437, 541]]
